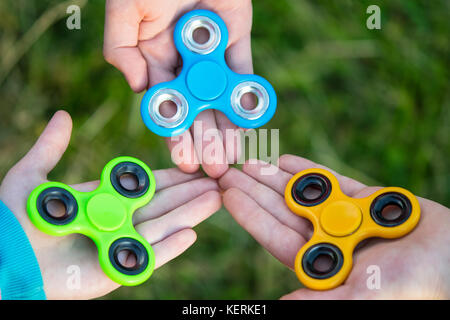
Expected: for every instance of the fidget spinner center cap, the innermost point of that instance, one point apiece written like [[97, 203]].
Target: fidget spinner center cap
[[206, 80], [341, 218], [106, 212]]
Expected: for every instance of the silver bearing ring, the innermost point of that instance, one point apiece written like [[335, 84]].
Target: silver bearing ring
[[195, 23], [177, 98], [260, 93]]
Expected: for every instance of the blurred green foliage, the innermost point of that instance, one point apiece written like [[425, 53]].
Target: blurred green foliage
[[371, 104]]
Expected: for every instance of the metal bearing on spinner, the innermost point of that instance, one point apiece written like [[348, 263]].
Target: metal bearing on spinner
[[341, 222], [206, 82], [104, 215]]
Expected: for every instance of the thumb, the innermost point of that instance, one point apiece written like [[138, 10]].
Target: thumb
[[50, 146], [239, 56]]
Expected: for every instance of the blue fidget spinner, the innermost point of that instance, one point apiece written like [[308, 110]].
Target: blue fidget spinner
[[206, 82]]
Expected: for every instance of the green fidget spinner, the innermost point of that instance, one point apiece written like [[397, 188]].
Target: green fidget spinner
[[104, 215]]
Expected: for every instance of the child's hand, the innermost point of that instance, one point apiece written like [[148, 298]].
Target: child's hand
[[181, 201], [139, 42], [415, 266]]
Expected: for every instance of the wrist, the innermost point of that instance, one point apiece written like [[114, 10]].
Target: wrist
[[20, 275]]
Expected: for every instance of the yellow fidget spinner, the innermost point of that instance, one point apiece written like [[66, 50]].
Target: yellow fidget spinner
[[341, 222]]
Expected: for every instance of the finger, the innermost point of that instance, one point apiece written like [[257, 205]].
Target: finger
[[120, 46], [181, 147], [366, 191], [170, 198], [86, 186], [130, 62], [339, 293], [239, 56], [294, 164], [164, 179], [237, 15], [173, 246], [182, 152], [266, 198], [238, 18], [231, 136], [158, 74], [209, 145], [50, 146], [267, 174], [281, 241], [185, 216], [239, 59], [169, 177], [158, 16], [161, 56]]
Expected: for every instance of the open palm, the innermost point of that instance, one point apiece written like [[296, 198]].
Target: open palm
[[181, 201], [415, 266], [139, 42]]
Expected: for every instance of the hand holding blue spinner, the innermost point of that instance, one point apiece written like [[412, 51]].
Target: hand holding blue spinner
[[206, 82]]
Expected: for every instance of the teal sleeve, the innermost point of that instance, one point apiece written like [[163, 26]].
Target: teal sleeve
[[20, 276]]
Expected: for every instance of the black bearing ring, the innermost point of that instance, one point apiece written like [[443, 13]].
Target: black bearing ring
[[133, 246], [60, 194], [322, 249], [311, 180], [143, 181], [390, 198]]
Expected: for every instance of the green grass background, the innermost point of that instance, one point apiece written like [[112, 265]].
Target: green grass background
[[371, 104]]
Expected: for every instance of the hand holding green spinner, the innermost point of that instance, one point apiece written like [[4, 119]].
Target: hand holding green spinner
[[104, 215]]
